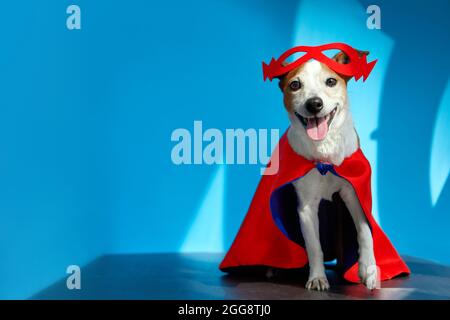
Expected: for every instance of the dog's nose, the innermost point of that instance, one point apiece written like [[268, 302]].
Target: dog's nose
[[314, 105]]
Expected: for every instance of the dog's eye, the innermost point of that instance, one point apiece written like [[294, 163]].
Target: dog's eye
[[295, 85], [331, 82]]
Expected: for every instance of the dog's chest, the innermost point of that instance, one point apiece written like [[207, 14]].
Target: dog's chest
[[315, 186]]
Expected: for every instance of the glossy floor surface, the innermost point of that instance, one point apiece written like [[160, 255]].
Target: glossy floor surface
[[196, 276]]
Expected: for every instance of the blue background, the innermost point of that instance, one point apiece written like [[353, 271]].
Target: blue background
[[86, 118]]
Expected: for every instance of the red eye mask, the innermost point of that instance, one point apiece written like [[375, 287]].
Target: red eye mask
[[357, 67]]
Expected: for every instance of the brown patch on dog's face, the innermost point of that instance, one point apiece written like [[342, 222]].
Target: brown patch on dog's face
[[284, 83], [292, 92], [289, 88], [315, 97], [342, 58]]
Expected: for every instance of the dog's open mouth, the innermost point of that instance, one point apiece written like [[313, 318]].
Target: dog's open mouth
[[317, 127]]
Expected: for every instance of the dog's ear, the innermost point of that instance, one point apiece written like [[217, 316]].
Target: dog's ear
[[342, 58], [281, 82], [282, 78]]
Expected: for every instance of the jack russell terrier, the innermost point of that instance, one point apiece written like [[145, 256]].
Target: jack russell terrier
[[322, 129], [317, 206]]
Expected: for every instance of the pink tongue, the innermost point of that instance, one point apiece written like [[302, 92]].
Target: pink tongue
[[317, 128]]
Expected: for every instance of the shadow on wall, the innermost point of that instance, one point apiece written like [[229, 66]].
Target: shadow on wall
[[55, 178], [87, 117], [405, 101], [414, 87], [206, 66]]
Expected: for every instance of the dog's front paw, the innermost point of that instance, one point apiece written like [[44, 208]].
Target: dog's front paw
[[317, 283], [368, 275]]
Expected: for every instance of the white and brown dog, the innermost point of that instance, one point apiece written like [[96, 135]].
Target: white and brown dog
[[322, 130]]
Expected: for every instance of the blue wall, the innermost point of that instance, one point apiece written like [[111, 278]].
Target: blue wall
[[55, 173], [86, 118]]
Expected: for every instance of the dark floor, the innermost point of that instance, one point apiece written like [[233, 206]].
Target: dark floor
[[196, 276]]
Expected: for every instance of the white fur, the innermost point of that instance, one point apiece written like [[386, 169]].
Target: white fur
[[340, 142]]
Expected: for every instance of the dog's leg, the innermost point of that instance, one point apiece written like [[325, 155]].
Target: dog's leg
[[367, 264], [309, 223]]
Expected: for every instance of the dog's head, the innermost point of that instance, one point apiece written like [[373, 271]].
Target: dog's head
[[316, 97]]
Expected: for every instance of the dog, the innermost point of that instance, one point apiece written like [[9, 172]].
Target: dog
[[322, 130]]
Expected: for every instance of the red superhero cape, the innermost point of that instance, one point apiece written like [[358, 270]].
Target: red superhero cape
[[270, 234]]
